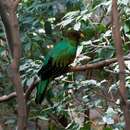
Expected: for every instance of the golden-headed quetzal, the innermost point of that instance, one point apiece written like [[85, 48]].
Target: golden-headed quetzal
[[56, 61]]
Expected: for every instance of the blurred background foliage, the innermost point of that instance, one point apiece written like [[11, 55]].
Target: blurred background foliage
[[76, 101]]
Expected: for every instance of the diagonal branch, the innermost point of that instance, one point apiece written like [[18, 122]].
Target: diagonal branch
[[13, 94], [72, 69], [7, 97], [98, 65]]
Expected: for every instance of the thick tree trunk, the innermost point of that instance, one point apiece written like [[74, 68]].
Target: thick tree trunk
[[9, 18]]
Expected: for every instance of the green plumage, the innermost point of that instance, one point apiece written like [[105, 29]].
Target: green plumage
[[56, 62], [41, 89]]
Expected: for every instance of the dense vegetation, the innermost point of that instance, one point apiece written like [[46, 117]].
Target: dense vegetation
[[72, 96]]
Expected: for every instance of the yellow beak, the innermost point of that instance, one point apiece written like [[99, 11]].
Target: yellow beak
[[82, 35]]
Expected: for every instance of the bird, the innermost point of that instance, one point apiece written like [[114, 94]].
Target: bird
[[56, 61]]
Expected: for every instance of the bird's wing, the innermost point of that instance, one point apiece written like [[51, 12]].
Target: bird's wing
[[59, 58]]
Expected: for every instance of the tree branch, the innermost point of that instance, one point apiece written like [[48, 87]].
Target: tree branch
[[72, 69], [98, 65], [13, 94], [119, 52], [7, 97]]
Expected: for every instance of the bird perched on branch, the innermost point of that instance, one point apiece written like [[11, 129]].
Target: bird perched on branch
[[56, 61]]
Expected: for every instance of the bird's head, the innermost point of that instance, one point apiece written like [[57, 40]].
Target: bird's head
[[75, 35]]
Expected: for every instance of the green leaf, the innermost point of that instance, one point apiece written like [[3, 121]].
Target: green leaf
[[96, 2], [88, 28], [1, 49], [100, 28], [87, 126], [126, 28], [107, 129], [106, 52]]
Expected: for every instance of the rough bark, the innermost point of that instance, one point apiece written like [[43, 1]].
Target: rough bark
[[9, 19], [119, 52]]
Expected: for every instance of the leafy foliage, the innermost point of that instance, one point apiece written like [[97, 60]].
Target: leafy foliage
[[69, 96]]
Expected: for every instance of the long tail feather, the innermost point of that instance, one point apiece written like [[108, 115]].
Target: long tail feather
[[41, 90]]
